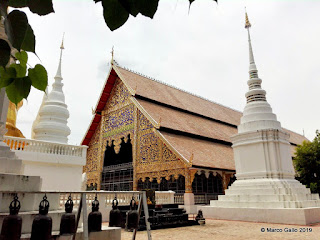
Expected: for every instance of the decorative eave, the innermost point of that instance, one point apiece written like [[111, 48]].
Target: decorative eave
[[131, 91], [104, 96], [154, 123], [187, 162]]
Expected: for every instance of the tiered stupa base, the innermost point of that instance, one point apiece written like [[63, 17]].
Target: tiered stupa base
[[284, 201], [11, 179]]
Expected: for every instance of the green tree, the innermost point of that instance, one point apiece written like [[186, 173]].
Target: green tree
[[16, 77], [307, 163]]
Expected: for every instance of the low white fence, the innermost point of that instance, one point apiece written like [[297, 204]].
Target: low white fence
[[105, 198], [29, 145]]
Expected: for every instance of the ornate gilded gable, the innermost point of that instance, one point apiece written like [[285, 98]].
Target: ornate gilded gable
[[154, 158], [120, 119], [119, 97]]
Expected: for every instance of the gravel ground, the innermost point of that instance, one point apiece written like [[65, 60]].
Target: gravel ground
[[227, 230]]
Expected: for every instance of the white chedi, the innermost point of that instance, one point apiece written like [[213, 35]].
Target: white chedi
[[265, 189], [51, 123]]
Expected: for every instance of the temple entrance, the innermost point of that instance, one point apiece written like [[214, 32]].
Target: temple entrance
[[117, 174], [206, 188], [176, 185]]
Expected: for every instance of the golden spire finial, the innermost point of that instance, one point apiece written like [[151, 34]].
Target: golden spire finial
[[247, 21], [112, 52], [62, 47]]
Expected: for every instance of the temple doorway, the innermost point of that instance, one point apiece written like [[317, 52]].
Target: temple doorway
[[117, 173]]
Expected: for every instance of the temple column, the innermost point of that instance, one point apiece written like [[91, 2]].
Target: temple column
[[225, 180], [188, 195]]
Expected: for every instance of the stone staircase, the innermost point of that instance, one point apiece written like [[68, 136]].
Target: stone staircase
[[267, 193]]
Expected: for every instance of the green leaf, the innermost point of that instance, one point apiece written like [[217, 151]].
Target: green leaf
[[19, 89], [22, 57], [16, 25], [5, 51], [29, 41], [18, 3], [39, 77], [147, 7], [130, 7], [41, 7], [115, 15], [20, 70], [7, 76]]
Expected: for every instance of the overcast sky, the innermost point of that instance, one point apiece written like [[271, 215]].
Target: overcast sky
[[204, 51]]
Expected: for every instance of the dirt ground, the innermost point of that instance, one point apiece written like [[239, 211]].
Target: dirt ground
[[229, 230]]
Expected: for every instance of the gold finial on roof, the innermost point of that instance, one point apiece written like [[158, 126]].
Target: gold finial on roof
[[247, 21], [62, 46], [112, 52]]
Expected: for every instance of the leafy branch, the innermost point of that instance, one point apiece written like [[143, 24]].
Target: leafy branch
[[15, 77], [20, 38]]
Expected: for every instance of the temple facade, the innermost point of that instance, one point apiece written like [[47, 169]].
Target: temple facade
[[148, 135]]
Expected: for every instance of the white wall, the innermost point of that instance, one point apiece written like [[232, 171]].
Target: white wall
[[57, 177], [58, 172]]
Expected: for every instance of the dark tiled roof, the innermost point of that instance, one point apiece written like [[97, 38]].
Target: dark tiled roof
[[191, 124]]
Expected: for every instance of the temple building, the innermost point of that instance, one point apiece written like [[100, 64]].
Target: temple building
[[145, 134]]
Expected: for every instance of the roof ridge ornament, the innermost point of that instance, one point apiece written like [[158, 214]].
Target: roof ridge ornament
[[112, 53]]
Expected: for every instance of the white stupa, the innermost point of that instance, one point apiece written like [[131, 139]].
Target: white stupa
[[51, 122], [265, 189]]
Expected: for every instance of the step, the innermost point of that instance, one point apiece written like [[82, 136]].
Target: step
[[284, 204], [259, 191], [266, 186], [268, 197], [13, 182], [11, 165]]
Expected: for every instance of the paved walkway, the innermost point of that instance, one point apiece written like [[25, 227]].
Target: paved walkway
[[230, 230]]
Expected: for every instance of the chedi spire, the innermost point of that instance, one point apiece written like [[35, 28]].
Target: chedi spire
[[257, 114], [53, 115]]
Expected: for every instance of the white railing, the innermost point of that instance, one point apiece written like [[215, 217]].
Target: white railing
[[179, 198], [28, 145], [124, 198]]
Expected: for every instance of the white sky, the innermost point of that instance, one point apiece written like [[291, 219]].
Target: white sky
[[204, 51]]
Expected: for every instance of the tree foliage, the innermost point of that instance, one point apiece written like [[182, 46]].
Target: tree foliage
[[307, 163], [21, 38], [15, 76]]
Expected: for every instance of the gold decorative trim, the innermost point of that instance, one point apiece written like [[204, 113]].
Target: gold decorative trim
[[168, 144], [132, 92], [145, 113]]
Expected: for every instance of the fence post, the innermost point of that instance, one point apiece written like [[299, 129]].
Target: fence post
[[85, 217]]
